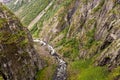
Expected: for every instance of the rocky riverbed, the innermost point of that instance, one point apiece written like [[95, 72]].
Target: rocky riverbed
[[60, 73]]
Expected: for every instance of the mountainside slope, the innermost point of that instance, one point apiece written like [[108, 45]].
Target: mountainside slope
[[18, 58], [86, 33], [27, 11]]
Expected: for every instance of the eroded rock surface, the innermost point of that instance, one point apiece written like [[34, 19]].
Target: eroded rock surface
[[18, 58], [83, 29]]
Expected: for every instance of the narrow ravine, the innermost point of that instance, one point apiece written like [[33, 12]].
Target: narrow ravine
[[60, 73]]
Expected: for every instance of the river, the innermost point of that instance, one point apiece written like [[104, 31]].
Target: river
[[60, 73]]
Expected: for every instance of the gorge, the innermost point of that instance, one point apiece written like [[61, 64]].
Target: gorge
[[72, 40]]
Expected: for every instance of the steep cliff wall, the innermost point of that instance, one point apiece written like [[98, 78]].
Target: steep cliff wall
[[86, 33], [18, 58]]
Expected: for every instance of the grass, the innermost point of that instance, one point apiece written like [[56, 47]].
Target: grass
[[84, 70], [5, 35], [114, 73], [90, 38], [12, 6], [50, 13], [2, 22], [46, 73], [35, 31], [9, 38], [32, 10], [93, 73], [1, 78], [71, 49], [28, 11], [78, 69], [63, 40]]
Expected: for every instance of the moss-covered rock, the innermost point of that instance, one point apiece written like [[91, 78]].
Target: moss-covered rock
[[83, 29], [18, 58]]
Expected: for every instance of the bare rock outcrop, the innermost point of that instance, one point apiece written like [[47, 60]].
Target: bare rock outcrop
[[18, 58]]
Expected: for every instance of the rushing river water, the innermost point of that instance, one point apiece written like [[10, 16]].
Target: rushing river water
[[60, 73]]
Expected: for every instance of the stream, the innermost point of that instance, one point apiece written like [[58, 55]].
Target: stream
[[60, 73]]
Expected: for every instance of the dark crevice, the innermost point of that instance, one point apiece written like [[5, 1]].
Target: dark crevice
[[117, 58], [105, 61], [110, 28], [71, 12], [3, 75], [117, 77], [63, 26], [105, 44], [83, 20]]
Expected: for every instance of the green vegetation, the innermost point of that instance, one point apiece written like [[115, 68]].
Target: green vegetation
[[99, 6], [31, 10], [46, 73], [67, 2], [37, 27], [6, 36], [85, 1], [84, 70], [49, 13], [63, 40], [28, 11], [2, 22], [94, 73], [90, 36], [12, 38], [12, 6], [114, 73], [1, 78], [71, 49]]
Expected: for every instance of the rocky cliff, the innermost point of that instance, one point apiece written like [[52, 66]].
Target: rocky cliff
[[85, 32], [18, 58]]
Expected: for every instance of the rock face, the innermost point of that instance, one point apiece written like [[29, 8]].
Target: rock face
[[18, 59], [82, 29], [110, 57], [94, 24]]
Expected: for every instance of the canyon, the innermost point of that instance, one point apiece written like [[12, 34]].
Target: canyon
[[75, 39]]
